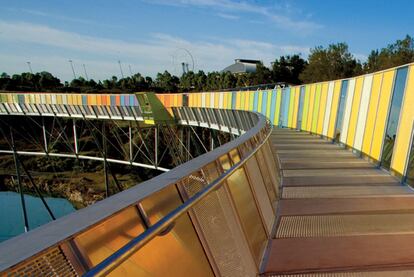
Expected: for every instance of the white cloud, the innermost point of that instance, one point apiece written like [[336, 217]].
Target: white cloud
[[276, 14], [161, 52], [228, 16]]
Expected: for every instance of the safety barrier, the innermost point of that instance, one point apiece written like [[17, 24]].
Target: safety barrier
[[210, 216], [372, 114]]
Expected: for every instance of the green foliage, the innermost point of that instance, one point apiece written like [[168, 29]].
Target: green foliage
[[166, 82], [399, 53], [287, 69], [334, 62], [42, 81]]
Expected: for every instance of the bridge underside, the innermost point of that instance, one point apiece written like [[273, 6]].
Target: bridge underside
[[339, 215]]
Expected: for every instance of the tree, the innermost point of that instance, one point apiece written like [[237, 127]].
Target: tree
[[334, 62], [261, 76], [165, 82], [395, 54], [288, 68]]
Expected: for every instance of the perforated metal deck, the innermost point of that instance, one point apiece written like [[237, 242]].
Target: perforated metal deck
[[339, 214]]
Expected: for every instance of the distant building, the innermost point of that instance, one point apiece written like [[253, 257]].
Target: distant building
[[242, 66]]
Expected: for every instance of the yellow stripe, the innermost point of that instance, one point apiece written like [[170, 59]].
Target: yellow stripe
[[237, 100], [199, 99], [334, 109], [316, 107], [251, 101], [224, 100], [322, 108], [354, 111], [268, 103], [242, 100], [247, 101], [207, 99], [193, 98], [277, 108], [175, 100], [380, 120], [402, 143], [70, 100], [291, 102], [190, 100], [216, 100], [305, 108], [372, 113], [311, 104]]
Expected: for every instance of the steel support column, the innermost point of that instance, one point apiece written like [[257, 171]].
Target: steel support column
[[19, 183]]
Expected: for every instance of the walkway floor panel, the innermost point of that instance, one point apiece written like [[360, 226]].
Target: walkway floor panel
[[352, 253], [331, 206], [335, 172], [345, 225], [339, 180], [318, 164], [339, 215], [345, 191]]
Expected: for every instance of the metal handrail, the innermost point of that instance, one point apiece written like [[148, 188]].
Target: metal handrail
[[114, 260], [27, 246]]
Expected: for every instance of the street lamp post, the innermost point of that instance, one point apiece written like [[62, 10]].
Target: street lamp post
[[120, 67], [130, 71], [86, 74], [73, 70], [30, 67]]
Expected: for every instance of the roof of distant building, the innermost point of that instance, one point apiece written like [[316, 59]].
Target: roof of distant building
[[242, 66]]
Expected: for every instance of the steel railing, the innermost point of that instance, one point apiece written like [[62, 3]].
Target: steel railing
[[248, 155]]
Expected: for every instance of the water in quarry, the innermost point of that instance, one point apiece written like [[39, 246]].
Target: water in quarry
[[11, 215]]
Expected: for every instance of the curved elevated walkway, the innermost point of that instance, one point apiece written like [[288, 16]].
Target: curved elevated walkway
[[339, 215]]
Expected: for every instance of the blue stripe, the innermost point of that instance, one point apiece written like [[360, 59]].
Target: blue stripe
[[256, 101], [21, 99], [233, 100], [264, 103], [286, 97]]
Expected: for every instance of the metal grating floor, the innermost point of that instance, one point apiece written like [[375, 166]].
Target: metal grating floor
[[397, 273], [344, 191], [339, 215], [345, 225]]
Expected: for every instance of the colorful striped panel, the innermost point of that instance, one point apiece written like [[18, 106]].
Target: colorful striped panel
[[347, 113], [382, 114], [363, 112], [404, 137], [354, 111]]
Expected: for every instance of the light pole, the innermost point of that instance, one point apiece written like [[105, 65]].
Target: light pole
[[30, 67], [86, 74], [130, 71], [73, 70], [120, 67]]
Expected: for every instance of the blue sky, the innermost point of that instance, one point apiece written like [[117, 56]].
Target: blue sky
[[149, 35]]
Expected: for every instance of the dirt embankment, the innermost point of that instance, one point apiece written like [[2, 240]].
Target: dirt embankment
[[81, 190]]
